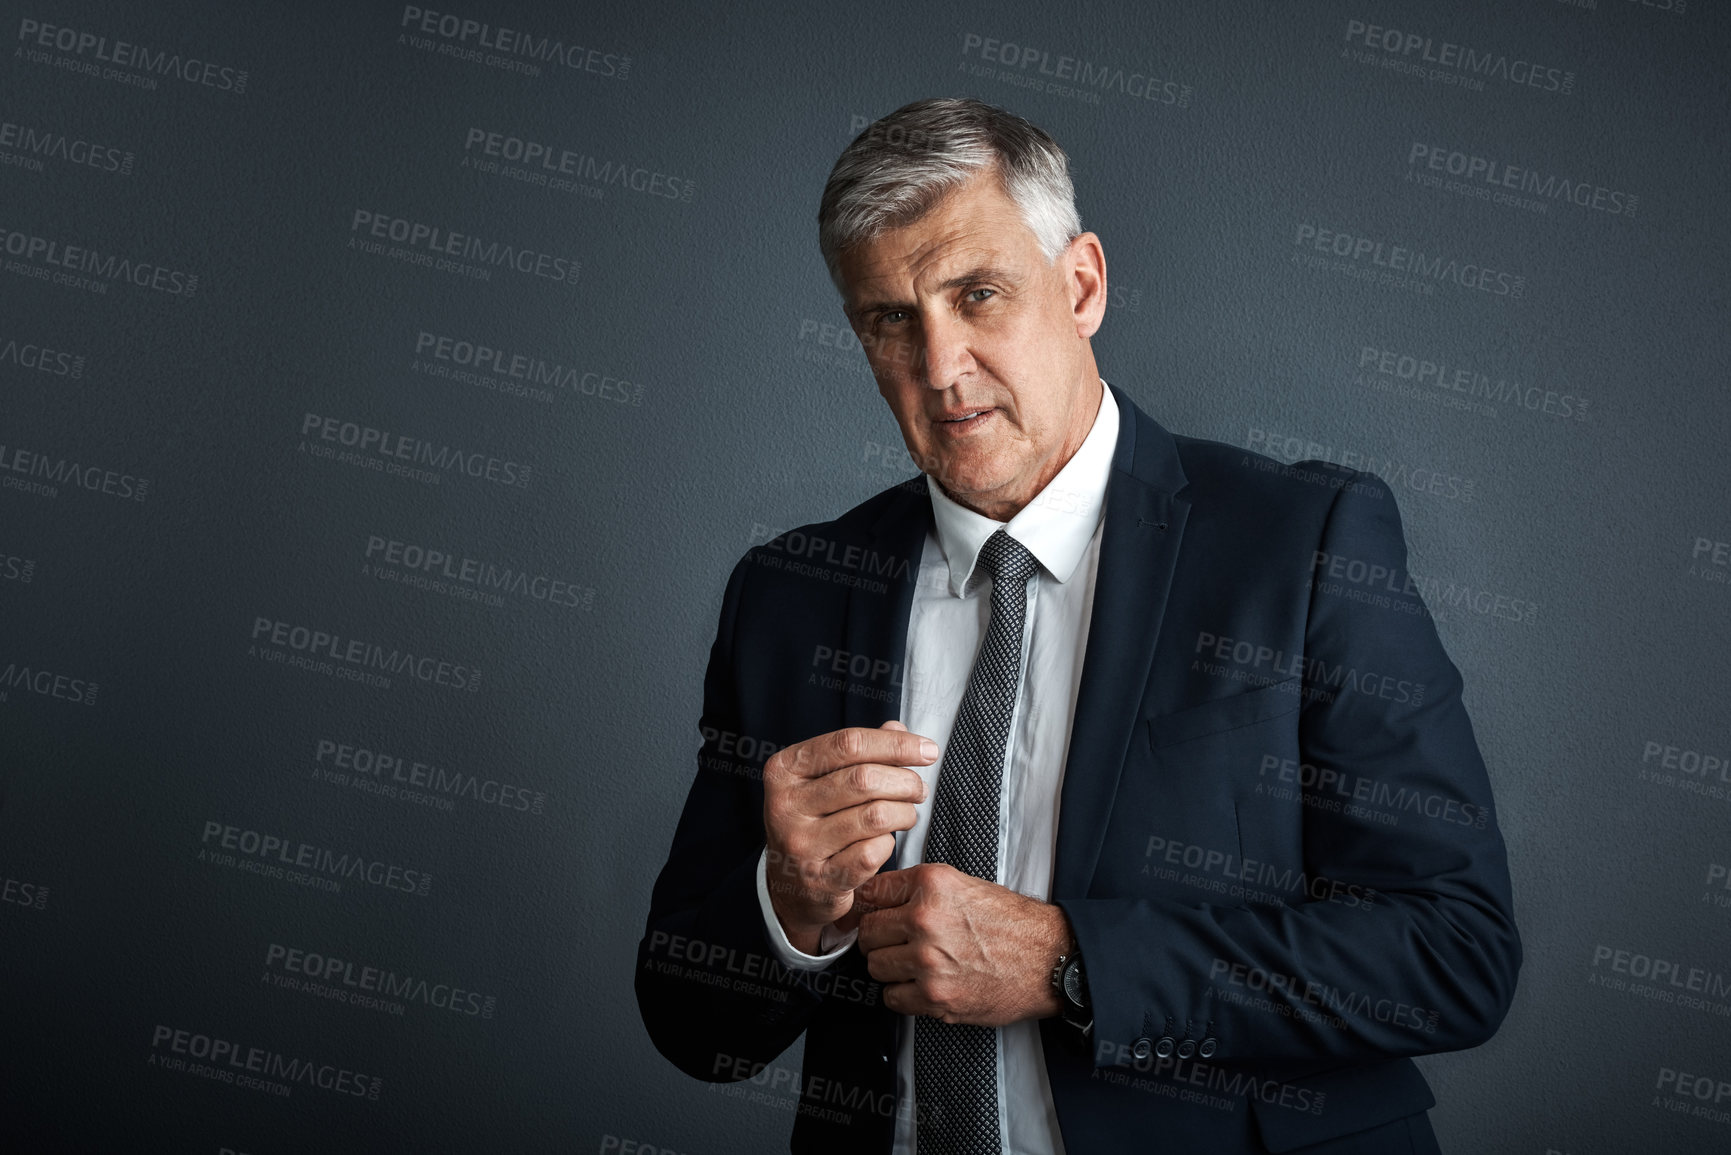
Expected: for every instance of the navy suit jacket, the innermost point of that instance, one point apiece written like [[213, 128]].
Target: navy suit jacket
[[1276, 841]]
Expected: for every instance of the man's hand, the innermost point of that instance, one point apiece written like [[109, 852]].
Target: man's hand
[[959, 948], [831, 807]]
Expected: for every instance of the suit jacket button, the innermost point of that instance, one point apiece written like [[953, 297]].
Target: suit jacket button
[[1164, 1047], [1142, 1049], [1208, 1047], [1186, 1049]]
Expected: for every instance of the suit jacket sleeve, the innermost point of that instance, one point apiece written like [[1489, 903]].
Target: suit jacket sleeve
[[1320, 984], [714, 997]]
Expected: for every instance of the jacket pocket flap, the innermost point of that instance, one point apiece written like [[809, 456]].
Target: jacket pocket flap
[[1228, 713], [1339, 1103]]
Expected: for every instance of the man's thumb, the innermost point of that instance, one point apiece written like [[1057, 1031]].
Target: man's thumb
[[892, 724]]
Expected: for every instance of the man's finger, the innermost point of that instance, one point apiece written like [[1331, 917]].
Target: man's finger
[[892, 964], [853, 744], [844, 870], [851, 919], [905, 999], [881, 927], [861, 782], [868, 820], [826, 753], [888, 888]]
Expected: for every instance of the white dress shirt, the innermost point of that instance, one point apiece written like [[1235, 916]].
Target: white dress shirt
[[951, 609]]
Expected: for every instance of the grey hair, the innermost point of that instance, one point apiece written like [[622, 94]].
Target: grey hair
[[904, 163]]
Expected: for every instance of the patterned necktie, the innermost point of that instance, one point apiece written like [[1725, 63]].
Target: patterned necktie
[[956, 1064]]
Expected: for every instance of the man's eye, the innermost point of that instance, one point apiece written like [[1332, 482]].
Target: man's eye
[[975, 296], [891, 315]]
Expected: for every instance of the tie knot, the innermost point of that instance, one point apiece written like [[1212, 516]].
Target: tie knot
[[1007, 560]]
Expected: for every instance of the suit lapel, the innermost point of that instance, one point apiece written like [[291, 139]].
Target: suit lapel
[[1144, 525], [877, 623]]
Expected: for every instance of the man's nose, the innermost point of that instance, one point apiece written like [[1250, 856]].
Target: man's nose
[[945, 351]]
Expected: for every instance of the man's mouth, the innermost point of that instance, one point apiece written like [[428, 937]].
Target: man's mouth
[[962, 423]]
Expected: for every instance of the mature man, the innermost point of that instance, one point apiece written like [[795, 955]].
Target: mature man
[[1189, 844]]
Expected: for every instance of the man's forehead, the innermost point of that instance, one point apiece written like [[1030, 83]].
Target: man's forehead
[[947, 242], [937, 260]]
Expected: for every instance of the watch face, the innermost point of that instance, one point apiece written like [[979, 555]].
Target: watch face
[[1074, 987]]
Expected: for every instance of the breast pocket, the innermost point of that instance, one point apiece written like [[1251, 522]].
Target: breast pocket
[[1191, 804], [1222, 715]]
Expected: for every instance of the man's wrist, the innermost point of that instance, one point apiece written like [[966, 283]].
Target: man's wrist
[[1063, 938], [829, 947], [804, 941], [801, 937], [1059, 942], [1068, 983]]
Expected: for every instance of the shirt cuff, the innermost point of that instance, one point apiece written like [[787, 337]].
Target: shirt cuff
[[831, 941]]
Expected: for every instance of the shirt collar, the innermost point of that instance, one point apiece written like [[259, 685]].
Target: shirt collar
[[1055, 526]]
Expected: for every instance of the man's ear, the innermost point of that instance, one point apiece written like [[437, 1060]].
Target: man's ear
[[1084, 266]]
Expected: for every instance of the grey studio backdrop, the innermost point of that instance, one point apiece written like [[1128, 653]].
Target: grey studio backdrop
[[386, 393]]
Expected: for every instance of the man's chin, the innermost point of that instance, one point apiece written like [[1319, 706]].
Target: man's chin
[[969, 466], [968, 487]]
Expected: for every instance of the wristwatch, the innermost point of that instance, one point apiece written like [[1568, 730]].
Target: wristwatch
[[1071, 983]]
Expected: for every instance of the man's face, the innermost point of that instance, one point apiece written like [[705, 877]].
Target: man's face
[[959, 314]]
